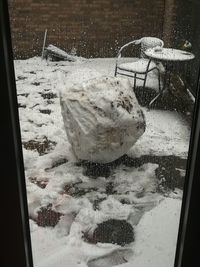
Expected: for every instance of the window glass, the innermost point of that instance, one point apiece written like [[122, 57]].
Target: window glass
[[106, 91]]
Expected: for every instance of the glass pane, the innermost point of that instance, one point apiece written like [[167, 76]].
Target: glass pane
[[106, 91]]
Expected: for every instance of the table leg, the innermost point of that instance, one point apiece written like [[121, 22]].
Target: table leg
[[166, 83]]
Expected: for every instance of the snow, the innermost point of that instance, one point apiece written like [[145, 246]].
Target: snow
[[150, 42], [71, 192], [167, 132], [102, 118], [156, 236], [55, 51], [139, 66], [56, 251], [169, 54]]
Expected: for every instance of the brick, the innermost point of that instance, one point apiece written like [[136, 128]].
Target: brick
[[94, 27]]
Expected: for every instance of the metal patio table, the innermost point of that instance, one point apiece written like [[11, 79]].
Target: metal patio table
[[169, 57]]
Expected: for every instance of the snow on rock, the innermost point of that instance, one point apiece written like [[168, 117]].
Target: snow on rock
[[102, 118]]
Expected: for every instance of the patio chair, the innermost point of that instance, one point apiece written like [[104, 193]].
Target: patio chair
[[139, 67]]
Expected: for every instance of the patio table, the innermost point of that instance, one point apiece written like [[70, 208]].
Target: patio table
[[169, 57]]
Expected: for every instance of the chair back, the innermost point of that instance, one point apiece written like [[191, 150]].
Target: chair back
[[135, 42], [149, 42]]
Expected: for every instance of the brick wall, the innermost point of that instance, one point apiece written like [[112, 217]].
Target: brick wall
[[170, 21], [96, 28]]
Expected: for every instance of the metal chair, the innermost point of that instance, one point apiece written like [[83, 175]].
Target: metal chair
[[140, 66]]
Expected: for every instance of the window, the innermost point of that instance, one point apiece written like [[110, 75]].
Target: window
[[76, 201]]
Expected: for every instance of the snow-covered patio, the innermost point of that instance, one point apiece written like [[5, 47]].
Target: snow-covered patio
[[143, 188]]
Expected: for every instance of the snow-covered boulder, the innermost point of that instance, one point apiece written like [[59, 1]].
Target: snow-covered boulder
[[102, 118]]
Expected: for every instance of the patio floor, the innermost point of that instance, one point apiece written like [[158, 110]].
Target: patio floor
[[143, 187]]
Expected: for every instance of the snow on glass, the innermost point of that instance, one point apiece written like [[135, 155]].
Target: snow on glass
[[78, 198]]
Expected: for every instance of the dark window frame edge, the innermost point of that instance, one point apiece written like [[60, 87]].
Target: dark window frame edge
[[187, 248]]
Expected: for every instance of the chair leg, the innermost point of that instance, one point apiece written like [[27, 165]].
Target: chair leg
[[145, 79], [135, 77], [159, 81], [115, 71], [154, 99]]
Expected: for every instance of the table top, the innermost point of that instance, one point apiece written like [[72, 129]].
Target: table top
[[169, 54]]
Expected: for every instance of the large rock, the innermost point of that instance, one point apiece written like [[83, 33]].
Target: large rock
[[102, 118]]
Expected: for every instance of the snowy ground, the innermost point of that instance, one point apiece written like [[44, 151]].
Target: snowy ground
[[63, 190]]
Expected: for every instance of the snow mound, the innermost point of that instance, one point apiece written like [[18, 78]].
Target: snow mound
[[156, 236], [102, 118]]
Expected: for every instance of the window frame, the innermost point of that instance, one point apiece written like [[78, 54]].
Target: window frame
[[17, 241]]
